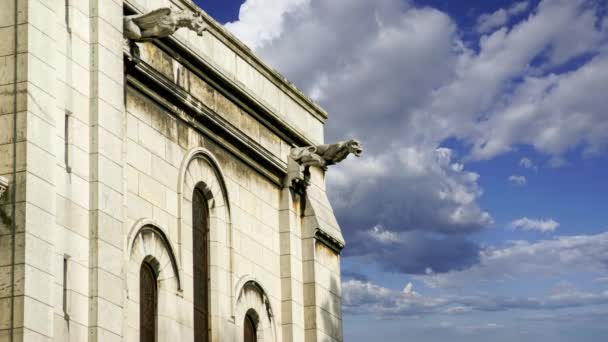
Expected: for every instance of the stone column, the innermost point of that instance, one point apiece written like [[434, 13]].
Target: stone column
[[107, 176]]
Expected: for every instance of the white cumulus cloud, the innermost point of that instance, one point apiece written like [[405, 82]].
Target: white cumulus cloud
[[546, 258], [261, 21], [541, 225], [403, 79], [527, 163], [362, 297], [489, 21], [518, 180]]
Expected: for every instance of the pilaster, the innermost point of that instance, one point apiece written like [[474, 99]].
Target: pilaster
[[292, 305], [27, 121], [321, 245], [107, 175]]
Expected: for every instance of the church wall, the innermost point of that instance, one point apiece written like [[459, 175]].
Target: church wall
[[72, 193], [157, 145], [214, 100], [96, 157], [235, 61]]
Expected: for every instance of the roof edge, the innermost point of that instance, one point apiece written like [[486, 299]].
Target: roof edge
[[243, 51]]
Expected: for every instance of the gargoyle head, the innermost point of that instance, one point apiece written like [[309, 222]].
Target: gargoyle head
[[354, 147], [196, 23]]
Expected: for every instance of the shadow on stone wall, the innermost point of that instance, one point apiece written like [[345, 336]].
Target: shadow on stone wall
[[333, 322]]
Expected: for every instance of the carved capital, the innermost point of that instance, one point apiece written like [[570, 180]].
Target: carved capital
[[3, 186]]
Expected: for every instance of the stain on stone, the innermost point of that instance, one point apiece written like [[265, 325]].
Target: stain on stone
[[201, 90], [158, 59], [269, 140], [228, 110], [182, 76], [182, 134], [250, 126], [164, 123]]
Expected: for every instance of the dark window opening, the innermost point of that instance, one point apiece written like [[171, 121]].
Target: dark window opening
[[200, 253], [250, 329], [148, 303]]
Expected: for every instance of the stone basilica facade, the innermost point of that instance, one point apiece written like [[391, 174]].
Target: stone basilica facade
[[158, 182]]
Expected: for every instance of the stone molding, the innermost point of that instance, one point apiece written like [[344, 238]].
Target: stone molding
[[329, 241], [243, 51], [148, 81], [245, 97]]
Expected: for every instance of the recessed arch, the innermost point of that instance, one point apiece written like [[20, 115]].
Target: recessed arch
[[147, 244], [208, 183], [253, 303], [135, 239], [201, 170]]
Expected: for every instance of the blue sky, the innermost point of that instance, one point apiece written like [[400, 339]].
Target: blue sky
[[479, 210]]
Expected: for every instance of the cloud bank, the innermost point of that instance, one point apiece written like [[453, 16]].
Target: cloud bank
[[402, 79]]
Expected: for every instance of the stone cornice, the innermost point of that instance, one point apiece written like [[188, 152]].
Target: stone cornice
[[230, 89], [181, 104], [247, 54], [329, 241]]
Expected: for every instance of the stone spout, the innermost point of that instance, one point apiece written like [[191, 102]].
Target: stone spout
[[324, 155], [161, 23]]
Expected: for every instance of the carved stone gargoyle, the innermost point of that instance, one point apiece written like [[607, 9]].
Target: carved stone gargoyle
[[159, 23], [324, 155], [301, 158], [3, 186]]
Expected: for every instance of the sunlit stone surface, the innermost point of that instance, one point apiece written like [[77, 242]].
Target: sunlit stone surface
[[109, 150]]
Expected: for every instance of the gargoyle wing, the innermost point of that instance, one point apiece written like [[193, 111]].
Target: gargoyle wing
[[149, 20], [298, 153]]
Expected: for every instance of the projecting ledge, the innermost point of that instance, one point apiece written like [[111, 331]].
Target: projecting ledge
[[320, 220]]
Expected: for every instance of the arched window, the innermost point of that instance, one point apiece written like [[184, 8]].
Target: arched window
[[250, 329], [200, 252], [148, 303]]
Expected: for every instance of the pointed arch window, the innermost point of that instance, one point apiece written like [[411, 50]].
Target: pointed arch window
[[200, 252], [148, 303], [250, 329]]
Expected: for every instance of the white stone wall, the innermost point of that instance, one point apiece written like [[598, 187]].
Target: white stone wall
[[104, 180], [244, 209]]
